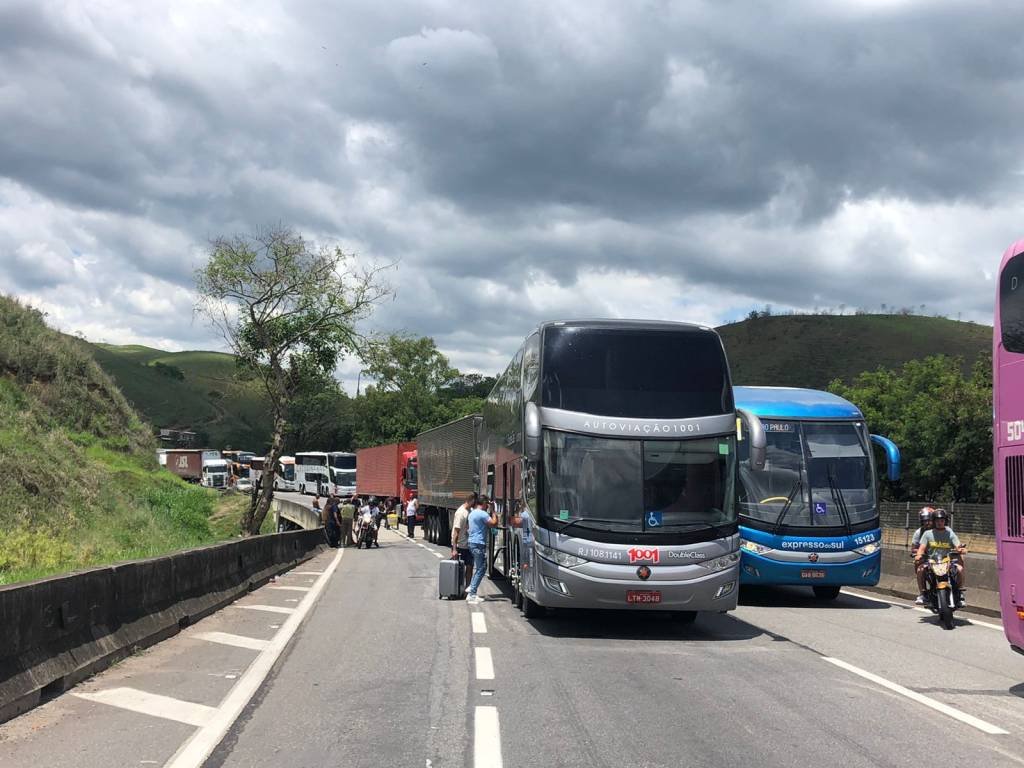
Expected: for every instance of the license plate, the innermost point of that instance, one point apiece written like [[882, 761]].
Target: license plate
[[640, 596], [812, 574]]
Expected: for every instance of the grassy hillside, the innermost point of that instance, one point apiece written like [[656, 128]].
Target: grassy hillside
[[188, 390], [79, 483], [812, 350]]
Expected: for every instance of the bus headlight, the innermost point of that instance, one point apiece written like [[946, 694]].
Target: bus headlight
[[753, 546], [563, 559], [868, 549], [721, 563]]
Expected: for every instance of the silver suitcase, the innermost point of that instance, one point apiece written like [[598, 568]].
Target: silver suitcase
[[451, 580]]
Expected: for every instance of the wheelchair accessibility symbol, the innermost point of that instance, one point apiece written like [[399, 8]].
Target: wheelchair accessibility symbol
[[654, 519], [820, 508]]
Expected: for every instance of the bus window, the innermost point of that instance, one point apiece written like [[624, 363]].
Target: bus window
[[1011, 304]]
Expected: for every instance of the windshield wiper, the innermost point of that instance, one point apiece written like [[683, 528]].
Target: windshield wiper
[[837, 497], [721, 530], [579, 520], [797, 488]]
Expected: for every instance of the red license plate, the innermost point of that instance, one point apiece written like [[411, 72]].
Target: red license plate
[[641, 596], [812, 574]]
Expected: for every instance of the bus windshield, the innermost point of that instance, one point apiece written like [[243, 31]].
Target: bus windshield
[[343, 460], [816, 474], [638, 373], [633, 486]]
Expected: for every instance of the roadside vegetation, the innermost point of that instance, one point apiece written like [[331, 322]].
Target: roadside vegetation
[[79, 482]]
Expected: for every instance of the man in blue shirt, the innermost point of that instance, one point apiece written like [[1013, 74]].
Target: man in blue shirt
[[480, 519]]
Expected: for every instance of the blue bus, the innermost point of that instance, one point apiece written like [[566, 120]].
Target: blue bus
[[810, 516]]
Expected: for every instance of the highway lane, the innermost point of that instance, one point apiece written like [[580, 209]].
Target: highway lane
[[383, 673]]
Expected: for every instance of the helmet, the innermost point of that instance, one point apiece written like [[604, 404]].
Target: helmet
[[940, 514], [373, 500], [926, 514]]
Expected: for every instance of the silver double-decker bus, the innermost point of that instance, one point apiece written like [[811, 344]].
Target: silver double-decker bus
[[609, 448]]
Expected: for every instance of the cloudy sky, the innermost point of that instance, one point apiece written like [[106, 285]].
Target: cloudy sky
[[517, 161]]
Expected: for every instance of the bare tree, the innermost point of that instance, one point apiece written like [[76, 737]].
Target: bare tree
[[287, 308]]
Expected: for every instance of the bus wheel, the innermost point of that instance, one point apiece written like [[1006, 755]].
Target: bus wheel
[[514, 576], [530, 609], [826, 593]]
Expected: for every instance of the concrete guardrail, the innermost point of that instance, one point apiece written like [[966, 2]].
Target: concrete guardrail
[[57, 631]]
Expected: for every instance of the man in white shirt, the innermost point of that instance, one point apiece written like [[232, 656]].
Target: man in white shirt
[[410, 516], [460, 535]]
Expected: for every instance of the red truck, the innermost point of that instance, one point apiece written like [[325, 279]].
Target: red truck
[[387, 471]]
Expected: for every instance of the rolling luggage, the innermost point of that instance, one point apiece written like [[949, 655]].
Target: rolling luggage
[[451, 581]]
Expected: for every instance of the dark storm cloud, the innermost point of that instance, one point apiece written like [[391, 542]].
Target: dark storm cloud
[[516, 161]]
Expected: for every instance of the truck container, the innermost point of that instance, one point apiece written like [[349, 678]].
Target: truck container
[[387, 471], [448, 459], [187, 463]]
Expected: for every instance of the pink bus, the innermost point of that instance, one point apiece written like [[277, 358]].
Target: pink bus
[[1008, 440]]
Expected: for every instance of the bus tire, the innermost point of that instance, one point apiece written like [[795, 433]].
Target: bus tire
[[530, 609], [825, 592]]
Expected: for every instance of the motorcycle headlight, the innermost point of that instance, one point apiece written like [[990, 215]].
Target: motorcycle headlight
[[868, 549], [721, 563], [563, 559], [753, 546]]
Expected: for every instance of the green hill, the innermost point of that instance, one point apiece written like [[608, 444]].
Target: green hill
[[79, 482], [812, 350], [188, 390]]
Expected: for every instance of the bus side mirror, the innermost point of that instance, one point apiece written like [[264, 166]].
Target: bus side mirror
[[531, 431], [892, 456], [758, 438]]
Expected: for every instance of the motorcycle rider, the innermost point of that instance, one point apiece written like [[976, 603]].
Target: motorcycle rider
[[925, 516], [941, 539]]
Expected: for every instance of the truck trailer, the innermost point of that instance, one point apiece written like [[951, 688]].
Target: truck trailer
[[387, 471], [198, 465], [448, 461]]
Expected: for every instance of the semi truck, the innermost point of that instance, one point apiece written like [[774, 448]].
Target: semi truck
[[198, 465], [388, 472], [448, 460]]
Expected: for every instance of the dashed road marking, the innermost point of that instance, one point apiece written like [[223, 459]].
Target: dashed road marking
[[290, 589], [486, 738], [484, 664], [151, 704], [438, 555], [226, 638], [193, 753], [304, 573], [938, 706], [270, 608], [479, 623]]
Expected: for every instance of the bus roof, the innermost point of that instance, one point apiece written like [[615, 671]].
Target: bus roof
[[794, 403], [1009, 253]]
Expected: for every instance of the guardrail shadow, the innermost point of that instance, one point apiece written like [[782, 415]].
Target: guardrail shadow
[[651, 626], [801, 597]]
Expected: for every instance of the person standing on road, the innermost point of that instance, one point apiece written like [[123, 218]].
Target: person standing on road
[[410, 516], [332, 522], [348, 512], [460, 535], [480, 520]]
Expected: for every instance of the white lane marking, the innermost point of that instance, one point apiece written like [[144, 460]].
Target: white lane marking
[[291, 589], [486, 738], [479, 623], [938, 706], [151, 704], [226, 638], [874, 599], [270, 608], [193, 753], [484, 664], [438, 555], [304, 573]]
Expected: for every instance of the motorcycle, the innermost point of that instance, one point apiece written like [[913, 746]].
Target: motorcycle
[[942, 593], [367, 533]]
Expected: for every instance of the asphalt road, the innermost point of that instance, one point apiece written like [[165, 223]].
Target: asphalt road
[[380, 672]]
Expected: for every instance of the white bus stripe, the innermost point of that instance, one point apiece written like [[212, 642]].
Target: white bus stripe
[[226, 638], [938, 706], [151, 704], [479, 623], [484, 664], [486, 738]]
